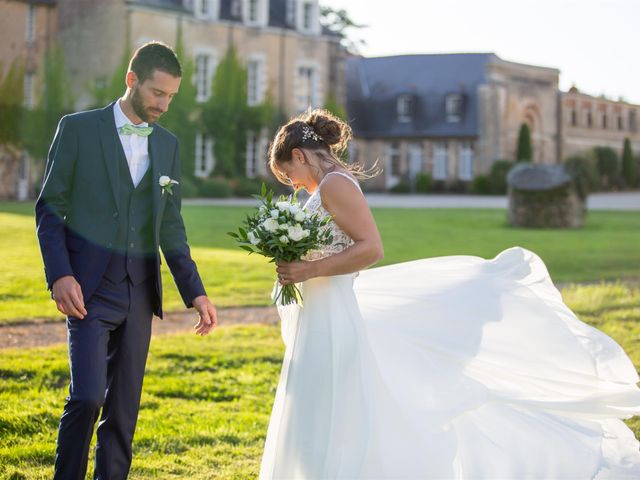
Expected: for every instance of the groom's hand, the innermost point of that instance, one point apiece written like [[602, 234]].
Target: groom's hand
[[67, 294], [208, 316]]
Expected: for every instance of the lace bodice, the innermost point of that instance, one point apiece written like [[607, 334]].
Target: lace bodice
[[341, 240]]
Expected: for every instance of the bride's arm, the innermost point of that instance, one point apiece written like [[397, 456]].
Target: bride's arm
[[342, 199]]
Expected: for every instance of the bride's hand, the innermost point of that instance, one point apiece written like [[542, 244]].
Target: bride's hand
[[294, 272]]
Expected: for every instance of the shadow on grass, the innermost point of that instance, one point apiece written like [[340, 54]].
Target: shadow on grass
[[26, 209]]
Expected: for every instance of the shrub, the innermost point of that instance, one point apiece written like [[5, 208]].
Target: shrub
[[525, 151], [460, 186], [245, 187], [498, 176], [584, 169], [629, 168], [277, 187], [481, 185], [215, 188], [424, 183], [439, 186], [402, 187], [607, 163], [188, 188]]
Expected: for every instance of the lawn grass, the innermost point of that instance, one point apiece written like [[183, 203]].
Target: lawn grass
[[606, 249], [204, 412], [206, 401]]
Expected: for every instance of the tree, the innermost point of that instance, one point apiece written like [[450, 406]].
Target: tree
[[106, 91], [183, 115], [339, 111], [334, 107], [11, 103], [583, 168], [607, 163], [228, 118], [224, 114], [525, 152], [629, 172], [498, 176], [339, 22], [55, 101]]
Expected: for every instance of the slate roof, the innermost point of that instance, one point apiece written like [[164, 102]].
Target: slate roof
[[374, 84], [176, 5], [41, 2]]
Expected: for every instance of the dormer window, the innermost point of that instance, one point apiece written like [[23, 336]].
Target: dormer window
[[308, 16], [291, 12], [255, 12], [454, 106], [404, 108], [206, 9], [236, 8], [252, 11]]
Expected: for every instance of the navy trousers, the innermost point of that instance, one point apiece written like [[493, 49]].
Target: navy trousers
[[107, 354]]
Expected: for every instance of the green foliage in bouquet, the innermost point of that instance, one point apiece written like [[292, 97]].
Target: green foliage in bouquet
[[282, 231]]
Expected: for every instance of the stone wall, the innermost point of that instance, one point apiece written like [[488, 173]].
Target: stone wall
[[578, 136], [558, 208], [15, 45], [515, 94]]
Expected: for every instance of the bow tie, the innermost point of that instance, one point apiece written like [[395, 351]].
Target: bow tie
[[129, 129]]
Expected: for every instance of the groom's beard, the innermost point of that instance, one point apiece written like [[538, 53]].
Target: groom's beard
[[142, 111]]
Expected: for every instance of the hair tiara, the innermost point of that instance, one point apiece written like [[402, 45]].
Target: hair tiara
[[308, 132]]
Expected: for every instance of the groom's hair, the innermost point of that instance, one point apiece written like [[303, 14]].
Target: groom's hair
[[154, 56]]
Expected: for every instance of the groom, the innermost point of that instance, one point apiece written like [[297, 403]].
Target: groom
[[108, 202]]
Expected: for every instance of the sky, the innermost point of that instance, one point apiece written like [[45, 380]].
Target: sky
[[594, 43]]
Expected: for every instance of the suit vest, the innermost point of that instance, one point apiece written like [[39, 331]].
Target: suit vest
[[133, 250]]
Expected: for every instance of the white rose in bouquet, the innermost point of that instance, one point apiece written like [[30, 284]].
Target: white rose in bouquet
[[271, 225], [253, 238], [295, 233]]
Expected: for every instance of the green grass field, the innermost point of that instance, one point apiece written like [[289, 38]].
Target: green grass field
[[206, 401], [606, 249]]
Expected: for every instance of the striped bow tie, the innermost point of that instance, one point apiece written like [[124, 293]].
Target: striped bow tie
[[129, 129]]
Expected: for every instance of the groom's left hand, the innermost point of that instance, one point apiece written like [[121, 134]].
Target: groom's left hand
[[208, 316]]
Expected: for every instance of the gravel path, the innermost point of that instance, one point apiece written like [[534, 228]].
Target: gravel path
[[43, 333], [621, 201]]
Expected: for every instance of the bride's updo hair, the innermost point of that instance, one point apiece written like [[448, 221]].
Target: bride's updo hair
[[316, 130]]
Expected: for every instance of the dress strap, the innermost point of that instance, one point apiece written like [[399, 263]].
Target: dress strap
[[344, 175]]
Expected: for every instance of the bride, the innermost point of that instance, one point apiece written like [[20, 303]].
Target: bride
[[451, 367]]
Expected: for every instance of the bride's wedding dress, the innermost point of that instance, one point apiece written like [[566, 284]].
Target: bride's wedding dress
[[451, 367]]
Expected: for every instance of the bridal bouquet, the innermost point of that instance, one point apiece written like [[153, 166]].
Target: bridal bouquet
[[283, 231]]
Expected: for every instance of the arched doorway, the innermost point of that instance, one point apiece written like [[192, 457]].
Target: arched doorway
[[531, 116]]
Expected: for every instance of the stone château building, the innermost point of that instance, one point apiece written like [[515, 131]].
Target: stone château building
[[27, 29], [289, 56], [449, 115], [453, 115]]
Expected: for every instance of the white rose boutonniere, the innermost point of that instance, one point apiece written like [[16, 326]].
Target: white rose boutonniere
[[167, 184]]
